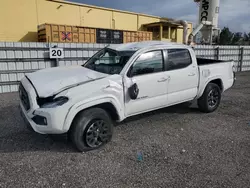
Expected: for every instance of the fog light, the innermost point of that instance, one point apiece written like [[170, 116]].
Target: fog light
[[40, 120]]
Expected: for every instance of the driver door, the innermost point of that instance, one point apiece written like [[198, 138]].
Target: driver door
[[149, 74]]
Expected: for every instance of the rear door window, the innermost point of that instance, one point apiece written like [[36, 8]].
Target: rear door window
[[178, 59]]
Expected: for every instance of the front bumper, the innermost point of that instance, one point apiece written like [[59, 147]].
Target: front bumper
[[55, 117], [54, 124]]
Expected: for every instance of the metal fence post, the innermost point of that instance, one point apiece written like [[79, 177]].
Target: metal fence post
[[217, 53], [57, 62], [241, 57]]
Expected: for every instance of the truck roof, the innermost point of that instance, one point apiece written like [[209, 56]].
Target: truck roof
[[134, 46]]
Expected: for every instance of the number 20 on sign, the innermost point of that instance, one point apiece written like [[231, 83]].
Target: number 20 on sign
[[56, 53]]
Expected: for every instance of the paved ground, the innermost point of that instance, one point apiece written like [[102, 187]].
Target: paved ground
[[181, 148]]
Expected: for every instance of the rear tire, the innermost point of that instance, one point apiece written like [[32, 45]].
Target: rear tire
[[210, 99], [91, 129]]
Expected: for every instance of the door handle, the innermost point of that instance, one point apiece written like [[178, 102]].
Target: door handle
[[191, 74], [164, 79]]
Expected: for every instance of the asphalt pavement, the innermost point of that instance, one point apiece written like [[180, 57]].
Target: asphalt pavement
[[180, 146]]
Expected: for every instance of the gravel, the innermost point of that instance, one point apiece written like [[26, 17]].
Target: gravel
[[179, 147]]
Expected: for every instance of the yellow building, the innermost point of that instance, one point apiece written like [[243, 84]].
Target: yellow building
[[19, 19]]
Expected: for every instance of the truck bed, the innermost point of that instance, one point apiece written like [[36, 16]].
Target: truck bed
[[210, 69], [204, 61]]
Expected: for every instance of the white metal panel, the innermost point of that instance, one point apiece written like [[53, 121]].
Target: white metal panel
[[26, 54], [40, 53], [61, 63], [91, 45], [102, 45], [79, 53], [3, 54], [80, 62], [79, 45], [20, 76], [33, 54], [91, 53], [2, 44], [17, 44], [73, 53], [11, 65], [18, 54], [13, 88], [41, 45], [68, 63], [6, 89], [10, 54], [73, 45], [5, 77], [60, 45], [25, 44], [67, 53], [27, 65], [84, 45], [47, 64], [67, 45], [33, 44], [95, 45], [3, 66], [20, 65], [13, 77], [9, 44], [41, 65], [85, 53], [34, 65]]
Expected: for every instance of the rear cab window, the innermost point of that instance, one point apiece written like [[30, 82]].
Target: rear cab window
[[177, 59]]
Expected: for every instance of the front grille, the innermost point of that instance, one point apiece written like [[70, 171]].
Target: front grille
[[24, 97]]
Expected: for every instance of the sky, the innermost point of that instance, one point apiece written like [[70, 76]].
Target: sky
[[234, 14]]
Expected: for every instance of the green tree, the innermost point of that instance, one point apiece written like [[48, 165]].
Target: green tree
[[226, 36], [246, 38], [237, 38]]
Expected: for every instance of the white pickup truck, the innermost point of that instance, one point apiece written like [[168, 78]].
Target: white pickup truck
[[118, 82]]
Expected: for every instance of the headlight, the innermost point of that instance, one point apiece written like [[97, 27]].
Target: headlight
[[56, 102]]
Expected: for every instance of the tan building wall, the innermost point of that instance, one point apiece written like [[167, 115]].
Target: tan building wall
[[19, 18]]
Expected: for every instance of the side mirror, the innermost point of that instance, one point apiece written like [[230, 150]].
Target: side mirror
[[133, 91]]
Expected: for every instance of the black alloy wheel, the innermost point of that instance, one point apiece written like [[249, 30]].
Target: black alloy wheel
[[98, 132]]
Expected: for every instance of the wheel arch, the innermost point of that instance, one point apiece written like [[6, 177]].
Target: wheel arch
[[110, 105], [216, 80]]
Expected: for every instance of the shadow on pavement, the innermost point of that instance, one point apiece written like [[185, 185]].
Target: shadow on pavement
[[15, 137]]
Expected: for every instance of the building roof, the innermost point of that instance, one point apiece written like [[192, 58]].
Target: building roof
[[134, 46], [164, 23]]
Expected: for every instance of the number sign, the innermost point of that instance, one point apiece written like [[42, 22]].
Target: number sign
[[56, 53]]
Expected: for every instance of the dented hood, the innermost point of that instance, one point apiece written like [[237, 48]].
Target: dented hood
[[48, 82]]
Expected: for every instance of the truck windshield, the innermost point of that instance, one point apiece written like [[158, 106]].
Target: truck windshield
[[108, 61]]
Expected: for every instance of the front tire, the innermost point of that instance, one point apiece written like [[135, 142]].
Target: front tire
[[91, 129], [210, 99]]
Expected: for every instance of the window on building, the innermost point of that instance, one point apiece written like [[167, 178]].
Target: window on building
[[178, 59], [155, 31], [150, 62], [165, 32]]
